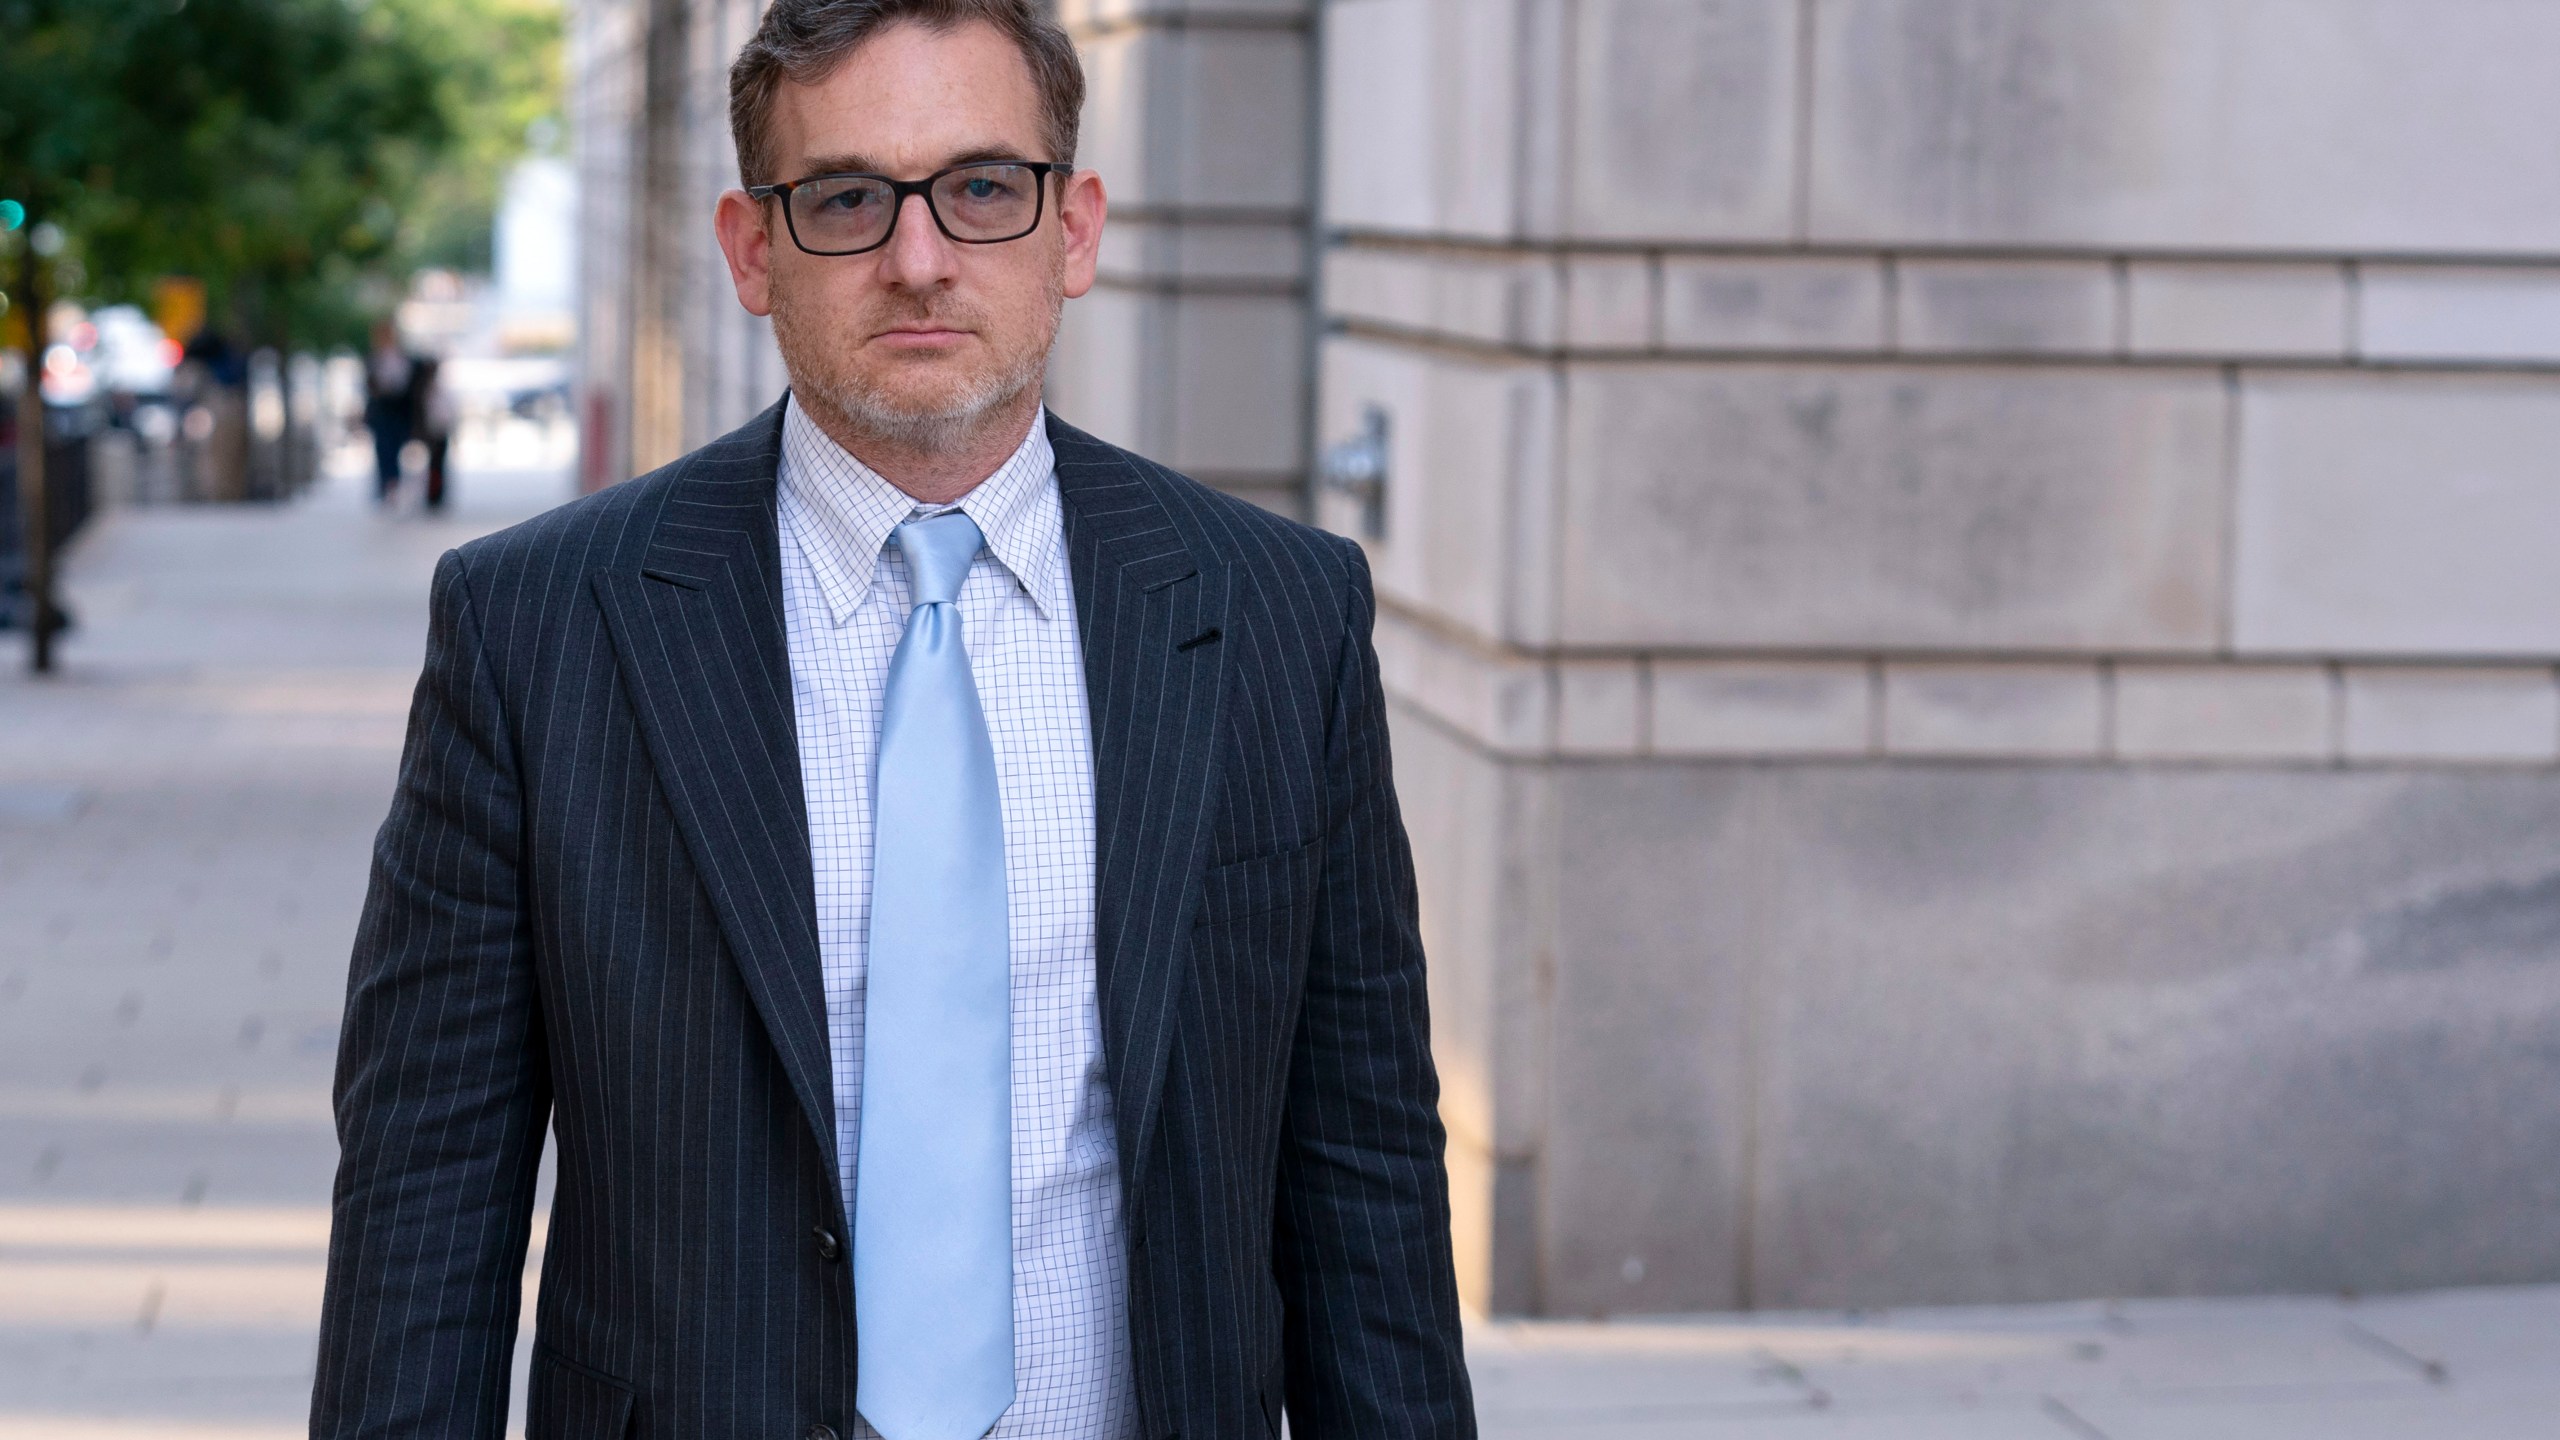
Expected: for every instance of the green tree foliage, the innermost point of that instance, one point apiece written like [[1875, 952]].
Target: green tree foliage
[[498, 70], [298, 156]]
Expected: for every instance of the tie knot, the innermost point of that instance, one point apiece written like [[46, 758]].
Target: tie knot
[[938, 552]]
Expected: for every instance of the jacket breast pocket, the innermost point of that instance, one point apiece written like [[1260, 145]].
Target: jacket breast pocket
[[1260, 885], [565, 1400]]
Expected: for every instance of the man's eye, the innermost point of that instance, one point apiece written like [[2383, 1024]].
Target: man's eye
[[983, 189]]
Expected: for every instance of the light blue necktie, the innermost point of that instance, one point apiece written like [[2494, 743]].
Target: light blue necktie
[[933, 1187]]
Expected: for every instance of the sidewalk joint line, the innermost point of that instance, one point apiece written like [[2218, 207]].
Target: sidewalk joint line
[[2071, 1420], [2433, 1371]]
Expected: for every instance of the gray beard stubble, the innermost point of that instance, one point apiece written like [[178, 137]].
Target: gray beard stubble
[[870, 411]]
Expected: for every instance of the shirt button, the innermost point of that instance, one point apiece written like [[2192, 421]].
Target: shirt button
[[820, 1432], [830, 1249]]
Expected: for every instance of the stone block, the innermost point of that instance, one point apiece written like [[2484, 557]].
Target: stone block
[[1101, 378], [2224, 712], [2270, 311], [1282, 495], [1470, 501], [1500, 701], [1773, 303], [1609, 302], [2460, 313], [1470, 818], [1210, 384], [2014, 1033], [1081, 14], [1762, 707], [1405, 666], [2439, 713], [2005, 709], [1240, 139], [1499, 299], [2397, 514], [1646, 1150], [1683, 120], [1767, 506], [2298, 126], [1238, 375], [1491, 299], [1378, 287], [2044, 1032], [1421, 117], [2005, 307], [1204, 253], [1198, 117], [1599, 707], [1119, 104]]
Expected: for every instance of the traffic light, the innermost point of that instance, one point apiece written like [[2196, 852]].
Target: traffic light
[[12, 214]]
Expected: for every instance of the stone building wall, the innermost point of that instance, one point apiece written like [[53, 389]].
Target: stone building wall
[[1195, 347], [1968, 587]]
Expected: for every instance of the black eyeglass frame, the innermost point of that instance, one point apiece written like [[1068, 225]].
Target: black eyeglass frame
[[901, 189]]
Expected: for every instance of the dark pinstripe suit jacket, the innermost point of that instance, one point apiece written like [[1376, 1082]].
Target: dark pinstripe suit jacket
[[592, 904]]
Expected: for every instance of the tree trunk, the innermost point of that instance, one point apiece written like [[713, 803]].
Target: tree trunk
[[35, 525]]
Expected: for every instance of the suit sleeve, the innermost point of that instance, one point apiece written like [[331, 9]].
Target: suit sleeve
[[1363, 1260], [442, 1090]]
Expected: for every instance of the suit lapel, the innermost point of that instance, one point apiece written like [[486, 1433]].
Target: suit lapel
[[700, 640], [699, 636], [1141, 592]]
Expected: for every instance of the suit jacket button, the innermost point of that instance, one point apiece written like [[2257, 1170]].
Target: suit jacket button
[[830, 1250], [821, 1432]]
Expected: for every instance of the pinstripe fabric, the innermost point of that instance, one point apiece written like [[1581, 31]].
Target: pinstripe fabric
[[592, 904]]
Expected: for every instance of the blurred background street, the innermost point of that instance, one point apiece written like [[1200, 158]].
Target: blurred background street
[[185, 822]]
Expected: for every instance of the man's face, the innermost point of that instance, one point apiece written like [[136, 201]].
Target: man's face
[[916, 341]]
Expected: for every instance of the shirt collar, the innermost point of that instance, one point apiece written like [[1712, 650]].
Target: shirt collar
[[852, 507]]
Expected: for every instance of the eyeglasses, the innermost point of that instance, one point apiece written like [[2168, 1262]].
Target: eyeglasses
[[982, 204]]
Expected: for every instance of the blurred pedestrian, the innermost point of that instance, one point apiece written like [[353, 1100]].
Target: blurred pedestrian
[[222, 392], [432, 417], [934, 873], [390, 406]]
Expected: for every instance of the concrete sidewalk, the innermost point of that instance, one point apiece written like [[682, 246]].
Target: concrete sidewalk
[[2479, 1364], [184, 821], [186, 813]]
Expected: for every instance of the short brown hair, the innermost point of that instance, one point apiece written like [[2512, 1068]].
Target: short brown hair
[[803, 41]]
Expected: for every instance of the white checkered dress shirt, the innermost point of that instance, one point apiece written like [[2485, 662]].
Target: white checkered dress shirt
[[845, 601]]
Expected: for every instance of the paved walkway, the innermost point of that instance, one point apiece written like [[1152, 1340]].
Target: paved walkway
[[2460, 1365], [184, 818]]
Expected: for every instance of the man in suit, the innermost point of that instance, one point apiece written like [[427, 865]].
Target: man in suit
[[937, 874]]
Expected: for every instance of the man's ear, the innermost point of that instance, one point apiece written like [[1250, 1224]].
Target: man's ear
[[1082, 206], [748, 246]]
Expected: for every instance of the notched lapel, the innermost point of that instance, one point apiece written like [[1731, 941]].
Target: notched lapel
[[1143, 595], [699, 637]]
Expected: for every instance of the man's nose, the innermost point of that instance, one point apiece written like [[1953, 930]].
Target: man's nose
[[918, 255]]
